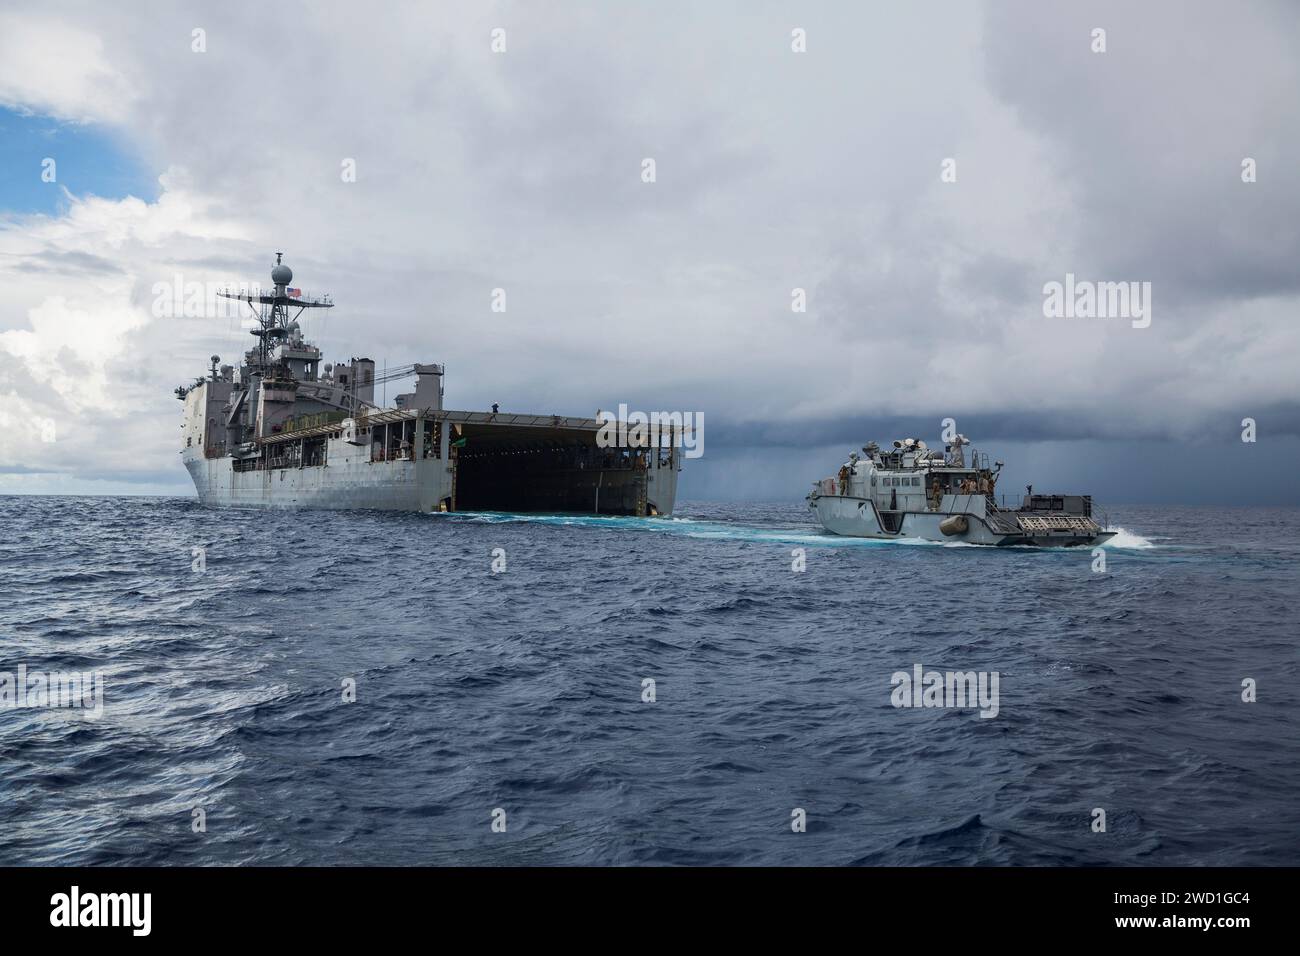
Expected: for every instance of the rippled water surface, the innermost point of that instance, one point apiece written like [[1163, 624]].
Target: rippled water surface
[[522, 690]]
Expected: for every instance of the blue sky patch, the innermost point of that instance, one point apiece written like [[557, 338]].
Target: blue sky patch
[[87, 160]]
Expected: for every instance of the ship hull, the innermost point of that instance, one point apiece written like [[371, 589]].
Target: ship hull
[[388, 486], [859, 518], [350, 480]]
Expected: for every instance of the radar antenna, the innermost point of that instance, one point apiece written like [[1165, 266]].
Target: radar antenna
[[272, 308]]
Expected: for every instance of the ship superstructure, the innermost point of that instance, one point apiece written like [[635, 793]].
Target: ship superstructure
[[912, 491], [284, 429]]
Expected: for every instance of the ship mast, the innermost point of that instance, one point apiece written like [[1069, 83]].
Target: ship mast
[[271, 309]]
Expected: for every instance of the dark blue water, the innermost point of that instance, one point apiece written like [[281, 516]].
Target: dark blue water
[[522, 690]]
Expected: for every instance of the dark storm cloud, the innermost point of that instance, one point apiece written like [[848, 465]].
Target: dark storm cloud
[[1276, 421]]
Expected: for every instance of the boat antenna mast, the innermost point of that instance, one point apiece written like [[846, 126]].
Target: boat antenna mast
[[271, 309]]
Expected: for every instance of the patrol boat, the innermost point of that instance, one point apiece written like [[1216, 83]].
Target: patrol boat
[[911, 491], [287, 430]]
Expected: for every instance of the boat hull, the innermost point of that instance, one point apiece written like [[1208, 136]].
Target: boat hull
[[857, 517]]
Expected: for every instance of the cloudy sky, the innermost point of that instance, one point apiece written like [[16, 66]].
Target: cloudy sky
[[775, 170]]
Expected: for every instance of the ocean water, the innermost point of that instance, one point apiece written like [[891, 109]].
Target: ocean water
[[522, 691]]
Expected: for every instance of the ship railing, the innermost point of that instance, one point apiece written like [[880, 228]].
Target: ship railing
[[263, 295]]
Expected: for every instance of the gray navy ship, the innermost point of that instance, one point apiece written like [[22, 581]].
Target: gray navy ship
[[912, 491], [284, 429]]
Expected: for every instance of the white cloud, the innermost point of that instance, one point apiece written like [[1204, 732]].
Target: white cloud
[[80, 345], [53, 66]]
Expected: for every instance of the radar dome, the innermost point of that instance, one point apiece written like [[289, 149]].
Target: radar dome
[[281, 274]]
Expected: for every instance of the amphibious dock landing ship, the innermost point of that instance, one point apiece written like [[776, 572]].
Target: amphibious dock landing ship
[[285, 430], [910, 491]]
